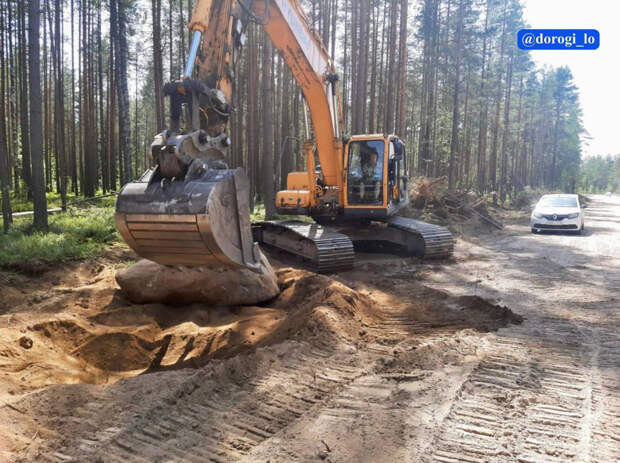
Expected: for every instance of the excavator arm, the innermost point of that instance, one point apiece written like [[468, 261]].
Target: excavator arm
[[191, 209], [218, 30]]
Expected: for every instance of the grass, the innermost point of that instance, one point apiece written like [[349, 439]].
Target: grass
[[77, 234], [82, 232]]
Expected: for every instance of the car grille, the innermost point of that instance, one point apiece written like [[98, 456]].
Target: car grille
[[555, 227], [556, 216]]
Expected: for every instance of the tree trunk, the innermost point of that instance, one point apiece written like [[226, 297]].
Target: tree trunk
[[36, 126], [454, 143], [388, 124], [24, 123], [118, 15], [86, 122], [59, 114], [402, 71], [506, 134], [373, 71], [182, 31], [170, 41], [484, 112], [354, 66], [496, 124], [72, 155], [5, 178], [103, 139], [380, 110], [111, 117], [252, 125], [426, 29], [466, 165], [286, 155], [45, 133], [268, 128], [361, 75], [158, 71]]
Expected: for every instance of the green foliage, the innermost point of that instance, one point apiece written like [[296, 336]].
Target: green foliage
[[73, 235], [258, 214], [599, 174]]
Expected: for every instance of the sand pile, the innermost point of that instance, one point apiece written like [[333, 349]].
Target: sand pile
[[97, 336], [74, 326], [319, 307]]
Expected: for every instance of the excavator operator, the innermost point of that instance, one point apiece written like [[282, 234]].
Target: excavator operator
[[371, 178]]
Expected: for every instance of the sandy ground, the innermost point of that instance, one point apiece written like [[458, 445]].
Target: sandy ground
[[508, 353]]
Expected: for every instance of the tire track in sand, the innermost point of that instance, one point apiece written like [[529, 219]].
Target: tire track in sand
[[202, 422], [547, 392]]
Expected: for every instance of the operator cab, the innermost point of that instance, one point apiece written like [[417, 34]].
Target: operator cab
[[376, 176]]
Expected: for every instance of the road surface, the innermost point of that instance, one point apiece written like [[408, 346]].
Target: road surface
[[440, 376], [549, 389]]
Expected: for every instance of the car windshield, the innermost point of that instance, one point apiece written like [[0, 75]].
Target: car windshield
[[558, 201]]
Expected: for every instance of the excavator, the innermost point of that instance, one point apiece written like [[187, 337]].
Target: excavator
[[191, 209]]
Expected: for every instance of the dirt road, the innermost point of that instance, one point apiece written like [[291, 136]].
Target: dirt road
[[510, 353]]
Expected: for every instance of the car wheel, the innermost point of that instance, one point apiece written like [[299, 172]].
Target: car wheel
[[534, 230]]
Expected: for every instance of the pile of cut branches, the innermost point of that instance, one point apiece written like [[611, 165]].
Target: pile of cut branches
[[431, 200]]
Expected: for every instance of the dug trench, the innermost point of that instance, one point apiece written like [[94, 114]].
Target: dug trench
[[88, 376]]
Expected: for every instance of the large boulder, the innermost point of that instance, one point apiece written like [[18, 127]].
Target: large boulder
[[147, 281]]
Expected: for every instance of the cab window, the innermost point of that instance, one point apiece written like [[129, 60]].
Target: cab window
[[365, 172]]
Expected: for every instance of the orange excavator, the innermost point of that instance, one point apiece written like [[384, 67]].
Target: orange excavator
[[191, 209]]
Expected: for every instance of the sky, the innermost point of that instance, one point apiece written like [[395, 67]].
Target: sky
[[595, 72]]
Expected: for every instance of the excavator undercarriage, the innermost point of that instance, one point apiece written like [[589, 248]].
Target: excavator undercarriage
[[330, 248]]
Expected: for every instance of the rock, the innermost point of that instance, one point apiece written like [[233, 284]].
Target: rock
[[25, 342], [147, 282]]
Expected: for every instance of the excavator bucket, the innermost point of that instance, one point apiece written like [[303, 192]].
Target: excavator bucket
[[203, 221]]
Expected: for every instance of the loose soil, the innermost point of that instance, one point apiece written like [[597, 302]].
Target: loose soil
[[508, 352]]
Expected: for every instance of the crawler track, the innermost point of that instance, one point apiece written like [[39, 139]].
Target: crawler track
[[327, 250], [436, 242]]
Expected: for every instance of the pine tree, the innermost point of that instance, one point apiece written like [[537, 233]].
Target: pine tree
[[36, 126]]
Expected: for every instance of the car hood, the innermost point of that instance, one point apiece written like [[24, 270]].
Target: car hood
[[556, 210]]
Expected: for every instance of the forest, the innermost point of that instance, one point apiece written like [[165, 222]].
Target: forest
[[81, 100]]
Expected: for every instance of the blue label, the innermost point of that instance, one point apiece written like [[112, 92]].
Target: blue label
[[558, 39]]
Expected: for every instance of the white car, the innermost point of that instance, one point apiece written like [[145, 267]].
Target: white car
[[558, 212]]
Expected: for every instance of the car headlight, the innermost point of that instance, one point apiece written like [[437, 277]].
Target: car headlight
[[537, 215], [573, 216]]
